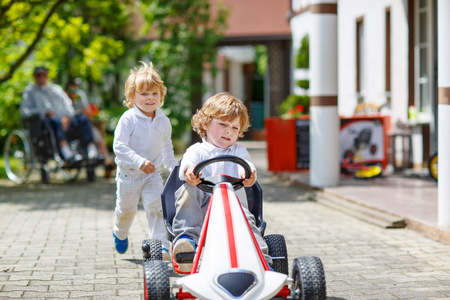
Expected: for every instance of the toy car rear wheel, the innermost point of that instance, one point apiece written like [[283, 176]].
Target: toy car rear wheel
[[156, 280], [152, 249], [18, 156], [309, 279], [278, 251]]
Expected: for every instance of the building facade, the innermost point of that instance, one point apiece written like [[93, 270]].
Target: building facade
[[387, 57], [251, 24]]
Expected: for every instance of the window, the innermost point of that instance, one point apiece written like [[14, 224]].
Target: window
[[360, 59], [388, 52], [423, 57]]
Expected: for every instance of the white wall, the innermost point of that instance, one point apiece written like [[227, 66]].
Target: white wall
[[374, 28], [300, 26], [373, 13]]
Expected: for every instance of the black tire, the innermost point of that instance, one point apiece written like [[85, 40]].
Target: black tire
[[90, 173], [309, 279], [18, 156], [278, 251], [156, 280], [152, 249], [45, 175]]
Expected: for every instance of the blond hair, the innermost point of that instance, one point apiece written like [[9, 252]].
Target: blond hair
[[142, 79], [221, 106]]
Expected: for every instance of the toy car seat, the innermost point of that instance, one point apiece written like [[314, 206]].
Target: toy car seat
[[254, 198]]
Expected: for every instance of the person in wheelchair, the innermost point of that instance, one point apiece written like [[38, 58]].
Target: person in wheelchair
[[55, 108], [220, 122], [82, 106]]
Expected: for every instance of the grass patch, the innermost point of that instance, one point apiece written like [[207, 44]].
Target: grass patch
[[2, 169]]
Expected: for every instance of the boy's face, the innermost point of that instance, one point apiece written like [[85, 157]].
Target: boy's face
[[147, 101], [222, 133]]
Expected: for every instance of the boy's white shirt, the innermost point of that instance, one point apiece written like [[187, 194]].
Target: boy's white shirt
[[199, 152], [138, 138]]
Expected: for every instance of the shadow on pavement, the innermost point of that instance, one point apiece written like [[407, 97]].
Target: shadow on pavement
[[100, 194]]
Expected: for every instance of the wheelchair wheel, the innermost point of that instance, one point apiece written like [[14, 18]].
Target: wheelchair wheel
[[90, 174], [18, 156]]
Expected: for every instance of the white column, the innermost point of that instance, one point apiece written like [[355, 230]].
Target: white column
[[324, 120], [443, 113], [236, 79]]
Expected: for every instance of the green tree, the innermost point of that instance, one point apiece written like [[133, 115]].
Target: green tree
[[187, 33], [22, 25], [302, 59], [72, 38], [99, 41]]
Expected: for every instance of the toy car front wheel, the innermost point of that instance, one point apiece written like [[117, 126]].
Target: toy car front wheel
[[309, 279], [278, 251], [156, 280]]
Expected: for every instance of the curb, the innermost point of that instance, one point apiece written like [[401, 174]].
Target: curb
[[366, 214], [370, 214]]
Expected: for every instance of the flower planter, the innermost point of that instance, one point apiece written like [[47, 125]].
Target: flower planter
[[284, 153], [288, 141]]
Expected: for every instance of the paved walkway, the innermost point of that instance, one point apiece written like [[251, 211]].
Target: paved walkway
[[56, 243]]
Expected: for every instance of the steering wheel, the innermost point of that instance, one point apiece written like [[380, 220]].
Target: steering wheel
[[207, 184]]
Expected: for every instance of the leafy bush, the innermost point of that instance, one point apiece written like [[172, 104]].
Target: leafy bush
[[304, 84], [302, 59], [295, 104]]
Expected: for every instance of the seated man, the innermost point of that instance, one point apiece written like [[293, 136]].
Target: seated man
[[82, 106], [55, 107]]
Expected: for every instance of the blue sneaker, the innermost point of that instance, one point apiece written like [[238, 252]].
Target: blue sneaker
[[121, 245], [166, 255], [184, 245]]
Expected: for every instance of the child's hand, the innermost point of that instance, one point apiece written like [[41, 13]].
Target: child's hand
[[249, 181], [190, 176], [148, 167]]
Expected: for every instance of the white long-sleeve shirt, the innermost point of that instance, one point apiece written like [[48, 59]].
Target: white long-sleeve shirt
[[199, 152], [40, 99], [138, 138]]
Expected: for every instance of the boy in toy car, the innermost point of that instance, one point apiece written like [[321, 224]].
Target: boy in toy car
[[220, 122]]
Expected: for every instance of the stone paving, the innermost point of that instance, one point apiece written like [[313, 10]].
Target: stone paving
[[56, 243]]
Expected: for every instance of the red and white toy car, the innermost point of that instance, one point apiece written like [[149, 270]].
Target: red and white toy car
[[228, 263]]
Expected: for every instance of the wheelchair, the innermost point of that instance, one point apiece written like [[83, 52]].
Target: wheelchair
[[35, 145]]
